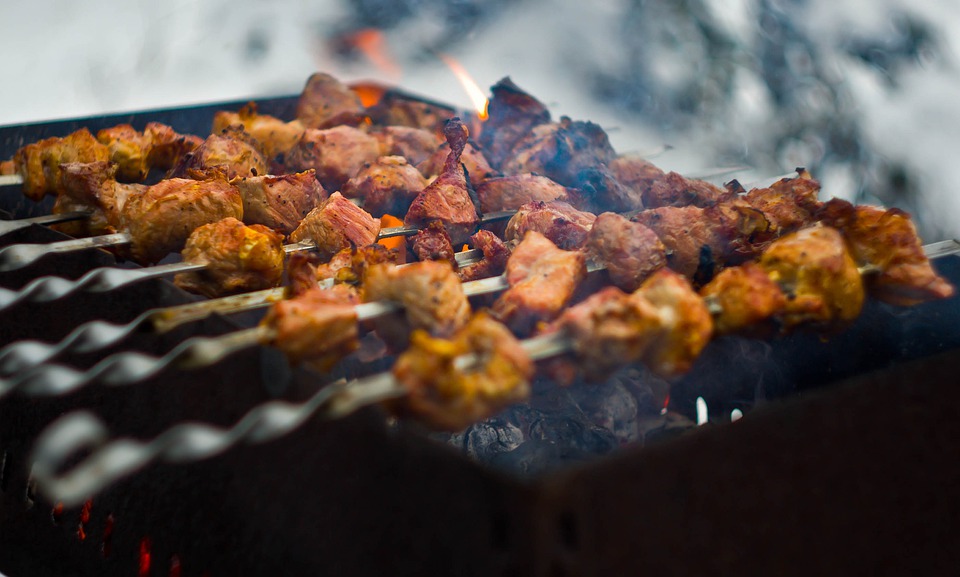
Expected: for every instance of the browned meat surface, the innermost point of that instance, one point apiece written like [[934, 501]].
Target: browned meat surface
[[325, 99], [430, 293], [495, 255], [512, 192], [789, 204], [337, 154], [136, 153], [90, 187], [817, 273], [561, 151], [744, 299], [274, 135], [673, 189], [38, 164], [414, 144], [636, 174], [448, 393], [395, 109], [161, 218], [473, 160], [386, 186], [448, 198], [542, 279], [600, 191], [349, 266], [512, 114], [336, 224], [886, 244], [630, 251], [280, 202], [433, 243], [232, 153], [564, 225], [238, 258]]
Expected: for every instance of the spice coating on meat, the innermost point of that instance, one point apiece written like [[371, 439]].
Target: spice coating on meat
[[274, 135], [91, 187], [561, 151], [744, 299], [238, 258], [232, 153], [542, 279], [448, 198], [337, 154], [512, 114], [324, 99], [448, 391], [564, 225], [630, 251], [38, 164], [495, 255], [414, 144], [280, 202], [349, 266], [819, 277], [136, 153], [337, 224], [512, 192], [386, 186], [161, 219], [789, 204], [433, 243]]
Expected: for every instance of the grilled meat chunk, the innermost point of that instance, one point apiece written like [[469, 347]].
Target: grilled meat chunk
[[512, 192], [495, 255], [337, 154], [636, 174], [630, 251], [789, 204], [474, 163], [232, 153], [280, 202], [448, 198], [91, 187], [542, 279], [512, 114], [238, 258], [561, 151], [386, 186], [349, 266], [819, 277], [396, 109], [325, 101], [275, 136], [414, 144], [448, 389], [336, 224], [38, 164], [744, 299], [433, 243], [885, 242], [673, 189], [135, 153], [564, 225]]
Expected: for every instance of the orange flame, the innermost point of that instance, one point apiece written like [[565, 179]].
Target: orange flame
[[397, 243], [476, 95], [372, 43], [370, 93]]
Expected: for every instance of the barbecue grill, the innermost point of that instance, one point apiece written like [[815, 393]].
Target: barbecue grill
[[842, 464]]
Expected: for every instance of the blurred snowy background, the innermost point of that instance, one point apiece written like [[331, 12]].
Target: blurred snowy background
[[863, 92]]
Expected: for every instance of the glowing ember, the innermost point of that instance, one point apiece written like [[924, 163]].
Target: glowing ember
[[144, 557], [476, 95], [370, 93]]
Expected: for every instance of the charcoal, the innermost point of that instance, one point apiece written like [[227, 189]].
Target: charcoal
[[484, 440]]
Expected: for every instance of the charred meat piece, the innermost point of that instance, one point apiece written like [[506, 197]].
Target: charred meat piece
[[38, 164], [414, 144], [561, 151], [512, 192], [495, 255], [885, 243], [397, 109], [325, 100], [600, 191], [542, 279], [819, 277], [136, 153], [512, 114], [789, 204], [232, 153], [673, 189], [474, 162], [274, 135], [386, 186], [336, 154], [637, 174], [452, 383], [336, 224], [744, 299], [433, 243], [238, 258], [630, 251], [349, 266], [279, 202], [564, 225], [448, 198]]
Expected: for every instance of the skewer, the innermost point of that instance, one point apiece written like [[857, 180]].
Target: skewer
[[8, 226]]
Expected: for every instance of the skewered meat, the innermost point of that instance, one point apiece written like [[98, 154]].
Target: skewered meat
[[433, 243], [636, 174], [337, 154], [630, 251], [564, 225], [886, 242], [512, 192], [600, 191], [135, 153], [91, 187], [396, 109], [817, 273], [512, 114], [274, 135], [474, 162], [672, 189], [280, 202], [542, 280], [232, 153], [744, 299], [495, 255], [349, 266], [238, 258], [789, 204], [337, 224], [449, 392], [39, 163], [414, 144], [326, 102], [318, 326], [448, 198], [386, 186], [561, 151]]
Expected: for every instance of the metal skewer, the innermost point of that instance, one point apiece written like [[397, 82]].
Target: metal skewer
[[8, 226]]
